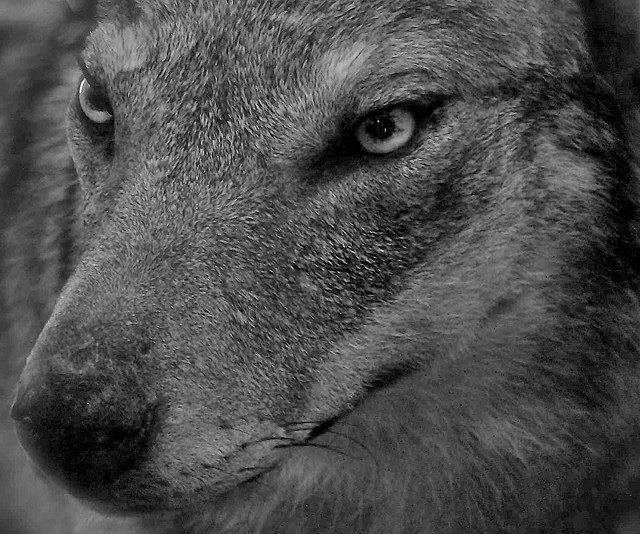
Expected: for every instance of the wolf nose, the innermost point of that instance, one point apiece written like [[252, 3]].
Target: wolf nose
[[83, 430]]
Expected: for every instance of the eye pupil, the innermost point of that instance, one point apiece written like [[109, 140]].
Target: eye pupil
[[381, 127], [98, 100], [386, 131]]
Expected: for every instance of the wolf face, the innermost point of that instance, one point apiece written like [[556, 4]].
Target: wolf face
[[347, 266]]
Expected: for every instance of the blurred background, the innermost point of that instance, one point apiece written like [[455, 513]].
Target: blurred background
[[38, 42]]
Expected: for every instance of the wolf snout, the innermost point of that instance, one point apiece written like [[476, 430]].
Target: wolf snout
[[85, 425]]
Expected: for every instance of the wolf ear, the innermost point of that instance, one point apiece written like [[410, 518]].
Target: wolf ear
[[613, 29]]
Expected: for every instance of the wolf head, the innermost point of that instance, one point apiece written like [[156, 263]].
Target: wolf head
[[331, 242]]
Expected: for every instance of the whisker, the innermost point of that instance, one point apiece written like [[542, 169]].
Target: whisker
[[207, 465], [353, 440], [335, 432], [312, 423], [317, 446], [264, 439]]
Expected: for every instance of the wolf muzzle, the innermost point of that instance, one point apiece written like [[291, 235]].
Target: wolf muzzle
[[82, 417]]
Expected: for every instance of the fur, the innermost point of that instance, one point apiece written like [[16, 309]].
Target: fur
[[444, 339]]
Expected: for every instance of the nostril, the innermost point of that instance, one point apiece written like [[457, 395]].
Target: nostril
[[19, 411], [84, 431], [23, 403]]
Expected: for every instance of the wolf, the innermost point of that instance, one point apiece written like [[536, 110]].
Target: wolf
[[38, 41], [337, 266]]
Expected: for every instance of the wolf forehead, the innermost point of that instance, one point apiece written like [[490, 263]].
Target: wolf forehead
[[447, 37]]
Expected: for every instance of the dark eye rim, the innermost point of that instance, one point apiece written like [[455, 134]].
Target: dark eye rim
[[425, 112], [96, 128]]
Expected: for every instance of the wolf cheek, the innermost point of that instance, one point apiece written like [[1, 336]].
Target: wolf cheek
[[303, 307]]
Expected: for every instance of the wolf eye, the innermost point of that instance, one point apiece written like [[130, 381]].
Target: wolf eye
[[386, 131], [94, 103]]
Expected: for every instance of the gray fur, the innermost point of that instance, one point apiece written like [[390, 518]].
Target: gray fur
[[463, 313]]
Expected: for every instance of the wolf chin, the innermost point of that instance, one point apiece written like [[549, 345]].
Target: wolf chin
[[349, 266]]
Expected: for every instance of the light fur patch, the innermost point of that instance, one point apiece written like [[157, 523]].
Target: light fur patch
[[126, 48], [340, 65], [567, 174], [334, 69], [293, 19]]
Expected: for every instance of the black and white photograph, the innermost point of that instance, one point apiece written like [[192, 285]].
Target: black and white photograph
[[319, 266]]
